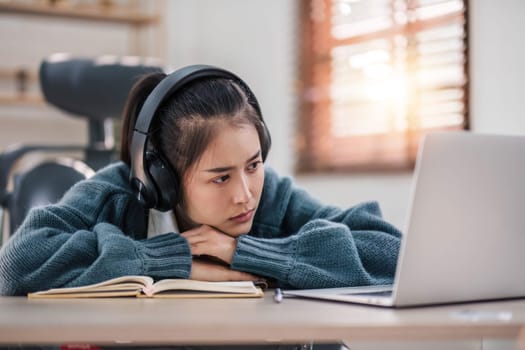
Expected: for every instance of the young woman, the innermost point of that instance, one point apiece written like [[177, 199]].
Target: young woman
[[200, 205]]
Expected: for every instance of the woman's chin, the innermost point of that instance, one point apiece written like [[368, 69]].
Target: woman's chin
[[236, 229]]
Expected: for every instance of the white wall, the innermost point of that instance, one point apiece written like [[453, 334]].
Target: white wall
[[498, 66], [257, 39]]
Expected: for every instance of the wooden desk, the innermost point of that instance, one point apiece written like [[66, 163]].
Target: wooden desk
[[150, 321]]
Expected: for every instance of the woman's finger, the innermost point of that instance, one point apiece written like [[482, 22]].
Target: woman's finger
[[195, 239], [193, 232]]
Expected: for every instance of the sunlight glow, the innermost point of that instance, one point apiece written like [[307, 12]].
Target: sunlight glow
[[365, 59], [390, 89]]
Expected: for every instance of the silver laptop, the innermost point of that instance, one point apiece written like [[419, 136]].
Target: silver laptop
[[465, 234]]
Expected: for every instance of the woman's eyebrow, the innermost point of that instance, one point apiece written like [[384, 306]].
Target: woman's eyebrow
[[227, 168]]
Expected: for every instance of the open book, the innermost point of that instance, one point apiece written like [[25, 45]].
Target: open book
[[146, 287]]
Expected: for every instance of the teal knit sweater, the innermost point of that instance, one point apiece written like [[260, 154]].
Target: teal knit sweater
[[99, 231]]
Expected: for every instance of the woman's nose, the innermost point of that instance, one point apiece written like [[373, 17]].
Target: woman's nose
[[242, 191]]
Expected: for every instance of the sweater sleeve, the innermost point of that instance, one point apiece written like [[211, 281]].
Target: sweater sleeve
[[82, 240], [322, 246]]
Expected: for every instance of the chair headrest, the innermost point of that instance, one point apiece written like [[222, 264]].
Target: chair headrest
[[97, 88]]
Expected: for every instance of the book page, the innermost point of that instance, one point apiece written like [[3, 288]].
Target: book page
[[237, 287], [87, 295], [124, 283]]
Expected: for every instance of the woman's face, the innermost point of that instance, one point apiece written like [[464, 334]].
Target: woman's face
[[224, 187]]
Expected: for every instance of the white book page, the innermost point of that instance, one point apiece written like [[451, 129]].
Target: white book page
[[245, 287], [115, 284]]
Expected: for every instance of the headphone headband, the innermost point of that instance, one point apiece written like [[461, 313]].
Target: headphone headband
[[175, 81]]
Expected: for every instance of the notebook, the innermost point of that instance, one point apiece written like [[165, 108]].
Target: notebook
[[465, 235]]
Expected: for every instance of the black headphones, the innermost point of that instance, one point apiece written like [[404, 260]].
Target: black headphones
[[152, 176]]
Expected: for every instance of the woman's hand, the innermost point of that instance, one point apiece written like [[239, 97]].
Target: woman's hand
[[205, 240], [209, 271]]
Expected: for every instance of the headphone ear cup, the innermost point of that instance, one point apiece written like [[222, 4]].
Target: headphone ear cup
[[267, 143], [266, 140], [164, 181], [145, 191]]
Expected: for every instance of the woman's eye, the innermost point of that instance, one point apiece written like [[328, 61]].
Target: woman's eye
[[254, 165], [220, 179]]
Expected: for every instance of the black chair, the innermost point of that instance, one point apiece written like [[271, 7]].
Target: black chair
[[96, 90], [44, 182], [93, 89]]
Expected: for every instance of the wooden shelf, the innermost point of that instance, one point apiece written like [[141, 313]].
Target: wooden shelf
[[32, 100], [109, 14], [12, 73], [138, 16]]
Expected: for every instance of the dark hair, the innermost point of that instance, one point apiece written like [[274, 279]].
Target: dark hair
[[184, 125]]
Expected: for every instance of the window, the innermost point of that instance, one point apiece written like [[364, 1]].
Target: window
[[375, 76]]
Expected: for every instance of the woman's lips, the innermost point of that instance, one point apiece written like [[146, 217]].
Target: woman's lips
[[244, 217]]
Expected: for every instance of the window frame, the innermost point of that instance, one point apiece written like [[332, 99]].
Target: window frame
[[316, 155]]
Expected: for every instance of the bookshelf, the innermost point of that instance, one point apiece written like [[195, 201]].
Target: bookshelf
[[140, 19], [31, 30]]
